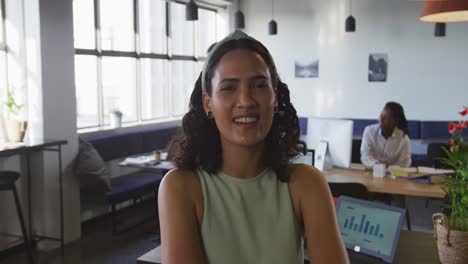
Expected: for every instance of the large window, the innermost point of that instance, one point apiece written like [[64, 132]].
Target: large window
[[138, 56], [3, 49], [13, 68]]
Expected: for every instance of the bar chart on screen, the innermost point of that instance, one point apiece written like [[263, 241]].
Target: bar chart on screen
[[363, 225]]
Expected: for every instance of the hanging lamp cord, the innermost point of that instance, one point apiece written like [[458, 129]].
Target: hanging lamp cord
[[272, 9]]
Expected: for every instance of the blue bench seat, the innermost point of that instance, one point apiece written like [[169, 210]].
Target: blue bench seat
[[136, 184], [132, 185]]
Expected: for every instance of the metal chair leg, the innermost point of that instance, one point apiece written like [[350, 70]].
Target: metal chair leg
[[408, 223], [23, 227], [114, 220]]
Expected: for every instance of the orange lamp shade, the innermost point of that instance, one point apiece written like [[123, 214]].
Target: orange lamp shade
[[445, 11]]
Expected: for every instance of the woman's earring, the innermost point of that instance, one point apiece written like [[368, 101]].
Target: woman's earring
[[209, 114]]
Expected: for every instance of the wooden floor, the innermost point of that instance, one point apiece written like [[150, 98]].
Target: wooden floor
[[98, 246]]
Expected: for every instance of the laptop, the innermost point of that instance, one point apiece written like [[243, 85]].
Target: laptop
[[370, 230], [308, 158]]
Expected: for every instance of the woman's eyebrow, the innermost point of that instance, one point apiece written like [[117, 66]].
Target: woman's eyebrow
[[258, 77], [253, 78], [228, 80]]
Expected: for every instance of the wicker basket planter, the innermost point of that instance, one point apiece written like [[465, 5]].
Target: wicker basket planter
[[452, 245]]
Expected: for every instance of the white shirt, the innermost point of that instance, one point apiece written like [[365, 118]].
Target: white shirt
[[395, 150]]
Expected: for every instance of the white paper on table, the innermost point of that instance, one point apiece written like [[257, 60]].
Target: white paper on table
[[140, 160]]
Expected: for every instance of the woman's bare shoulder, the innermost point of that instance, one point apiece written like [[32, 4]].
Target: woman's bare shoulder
[[179, 177], [305, 174], [306, 180], [180, 182]]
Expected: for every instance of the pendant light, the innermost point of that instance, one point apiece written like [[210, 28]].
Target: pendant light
[[191, 11], [445, 11], [439, 30], [350, 24], [239, 21], [272, 26]]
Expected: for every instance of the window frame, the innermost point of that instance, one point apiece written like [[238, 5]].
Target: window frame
[[99, 53], [3, 47], [2, 25]]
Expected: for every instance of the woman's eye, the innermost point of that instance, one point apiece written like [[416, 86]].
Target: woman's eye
[[262, 85], [228, 88]]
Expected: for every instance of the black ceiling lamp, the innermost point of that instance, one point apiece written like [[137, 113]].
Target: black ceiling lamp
[[439, 30], [272, 26], [191, 11], [350, 25], [239, 21]]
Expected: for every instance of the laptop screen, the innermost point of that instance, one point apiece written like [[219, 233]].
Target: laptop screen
[[369, 227]]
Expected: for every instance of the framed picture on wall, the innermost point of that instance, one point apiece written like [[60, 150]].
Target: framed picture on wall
[[306, 70], [378, 64]]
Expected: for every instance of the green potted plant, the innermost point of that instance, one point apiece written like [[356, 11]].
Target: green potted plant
[[15, 126], [451, 232], [116, 118]]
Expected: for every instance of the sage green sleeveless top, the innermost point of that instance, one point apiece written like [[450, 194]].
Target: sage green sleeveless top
[[249, 220]]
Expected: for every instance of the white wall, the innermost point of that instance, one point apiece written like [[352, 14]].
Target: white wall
[[427, 75], [59, 112]]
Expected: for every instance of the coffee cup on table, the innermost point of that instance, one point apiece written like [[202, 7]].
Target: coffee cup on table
[[379, 170], [157, 156]]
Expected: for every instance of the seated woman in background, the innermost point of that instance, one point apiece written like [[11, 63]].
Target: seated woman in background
[[235, 197], [387, 142]]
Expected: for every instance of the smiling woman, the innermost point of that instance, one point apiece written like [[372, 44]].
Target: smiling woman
[[242, 105], [235, 197]]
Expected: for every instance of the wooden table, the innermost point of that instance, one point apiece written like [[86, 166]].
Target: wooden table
[[387, 184], [413, 247]]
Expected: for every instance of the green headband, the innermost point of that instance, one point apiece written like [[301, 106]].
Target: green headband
[[236, 35]]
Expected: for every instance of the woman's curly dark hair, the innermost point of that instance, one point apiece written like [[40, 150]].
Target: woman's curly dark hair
[[198, 145]]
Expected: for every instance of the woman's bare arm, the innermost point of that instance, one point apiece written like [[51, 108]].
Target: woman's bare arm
[[180, 230], [324, 243]]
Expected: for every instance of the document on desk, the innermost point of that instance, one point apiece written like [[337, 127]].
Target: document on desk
[[358, 166], [430, 170], [417, 172], [140, 160]]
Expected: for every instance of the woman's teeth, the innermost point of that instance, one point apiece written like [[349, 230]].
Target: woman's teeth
[[245, 119]]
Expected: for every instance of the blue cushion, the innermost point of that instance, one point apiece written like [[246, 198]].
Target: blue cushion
[[414, 129], [360, 124], [117, 146], [437, 130], [132, 185], [156, 139], [122, 145], [303, 125]]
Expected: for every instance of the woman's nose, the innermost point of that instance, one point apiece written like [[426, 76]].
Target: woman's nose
[[245, 98]]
